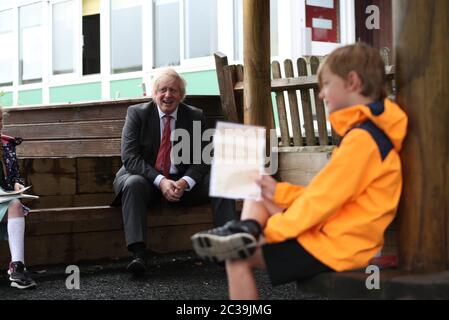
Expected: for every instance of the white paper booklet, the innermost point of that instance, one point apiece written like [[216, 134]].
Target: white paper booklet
[[10, 193], [239, 157], [6, 196]]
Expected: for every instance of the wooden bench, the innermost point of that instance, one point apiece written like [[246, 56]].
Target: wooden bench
[[69, 156]]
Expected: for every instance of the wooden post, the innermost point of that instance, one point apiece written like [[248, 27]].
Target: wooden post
[[422, 59], [257, 77]]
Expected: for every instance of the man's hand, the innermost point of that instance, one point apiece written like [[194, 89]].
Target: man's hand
[[181, 186], [268, 186], [168, 189], [18, 187]]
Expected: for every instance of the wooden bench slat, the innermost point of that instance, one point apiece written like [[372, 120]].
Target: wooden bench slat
[[99, 110], [66, 113], [161, 216], [71, 200], [67, 130], [69, 148], [76, 130]]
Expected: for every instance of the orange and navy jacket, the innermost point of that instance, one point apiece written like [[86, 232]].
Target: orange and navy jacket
[[341, 216]]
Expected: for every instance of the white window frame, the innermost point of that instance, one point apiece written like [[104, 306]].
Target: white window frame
[[280, 18], [37, 85], [4, 7], [64, 79], [225, 41], [15, 69], [225, 28], [148, 33], [347, 29], [192, 62]]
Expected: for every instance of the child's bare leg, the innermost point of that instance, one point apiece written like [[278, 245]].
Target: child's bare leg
[[242, 285], [259, 211], [15, 209]]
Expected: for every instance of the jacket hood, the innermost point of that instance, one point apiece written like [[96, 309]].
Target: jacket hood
[[386, 115]]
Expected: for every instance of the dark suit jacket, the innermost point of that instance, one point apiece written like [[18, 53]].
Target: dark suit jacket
[[140, 143]]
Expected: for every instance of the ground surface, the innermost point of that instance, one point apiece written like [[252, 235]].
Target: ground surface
[[179, 276]]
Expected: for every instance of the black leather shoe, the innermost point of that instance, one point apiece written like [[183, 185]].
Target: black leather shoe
[[137, 266]]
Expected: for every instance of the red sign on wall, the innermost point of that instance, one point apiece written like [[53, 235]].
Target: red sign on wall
[[322, 18]]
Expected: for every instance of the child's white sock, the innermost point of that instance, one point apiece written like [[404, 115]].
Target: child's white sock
[[16, 232]]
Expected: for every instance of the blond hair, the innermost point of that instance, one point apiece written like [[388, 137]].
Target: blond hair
[[171, 74], [363, 59]]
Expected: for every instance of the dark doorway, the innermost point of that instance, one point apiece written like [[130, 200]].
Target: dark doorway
[[91, 48]]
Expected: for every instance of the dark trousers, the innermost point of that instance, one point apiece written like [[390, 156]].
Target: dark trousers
[[139, 196]]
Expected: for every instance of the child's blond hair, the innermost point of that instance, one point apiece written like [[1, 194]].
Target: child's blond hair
[[365, 61]]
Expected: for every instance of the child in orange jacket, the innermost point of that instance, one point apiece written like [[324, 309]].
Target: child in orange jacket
[[337, 222]]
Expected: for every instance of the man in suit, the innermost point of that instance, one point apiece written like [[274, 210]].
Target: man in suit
[[149, 175]]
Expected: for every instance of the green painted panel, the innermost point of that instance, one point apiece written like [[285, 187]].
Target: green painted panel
[[6, 99], [76, 93], [129, 88], [202, 82], [30, 97]]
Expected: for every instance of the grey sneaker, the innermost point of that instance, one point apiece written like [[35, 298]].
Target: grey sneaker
[[19, 277], [234, 240]]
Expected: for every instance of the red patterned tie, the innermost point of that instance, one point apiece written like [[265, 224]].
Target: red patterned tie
[[163, 162]]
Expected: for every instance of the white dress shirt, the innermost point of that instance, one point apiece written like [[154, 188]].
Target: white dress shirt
[[173, 169]]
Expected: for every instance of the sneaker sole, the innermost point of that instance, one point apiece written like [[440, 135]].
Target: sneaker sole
[[22, 287], [219, 248]]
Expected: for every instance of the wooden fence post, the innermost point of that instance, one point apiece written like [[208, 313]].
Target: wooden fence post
[[257, 87], [422, 74]]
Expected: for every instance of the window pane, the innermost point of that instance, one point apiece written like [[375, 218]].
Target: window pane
[[274, 34], [64, 37], [201, 28], [238, 28], [126, 36], [166, 35], [6, 41], [30, 43], [5, 21], [7, 3]]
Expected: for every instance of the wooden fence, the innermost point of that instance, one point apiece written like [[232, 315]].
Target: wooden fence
[[301, 114]]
